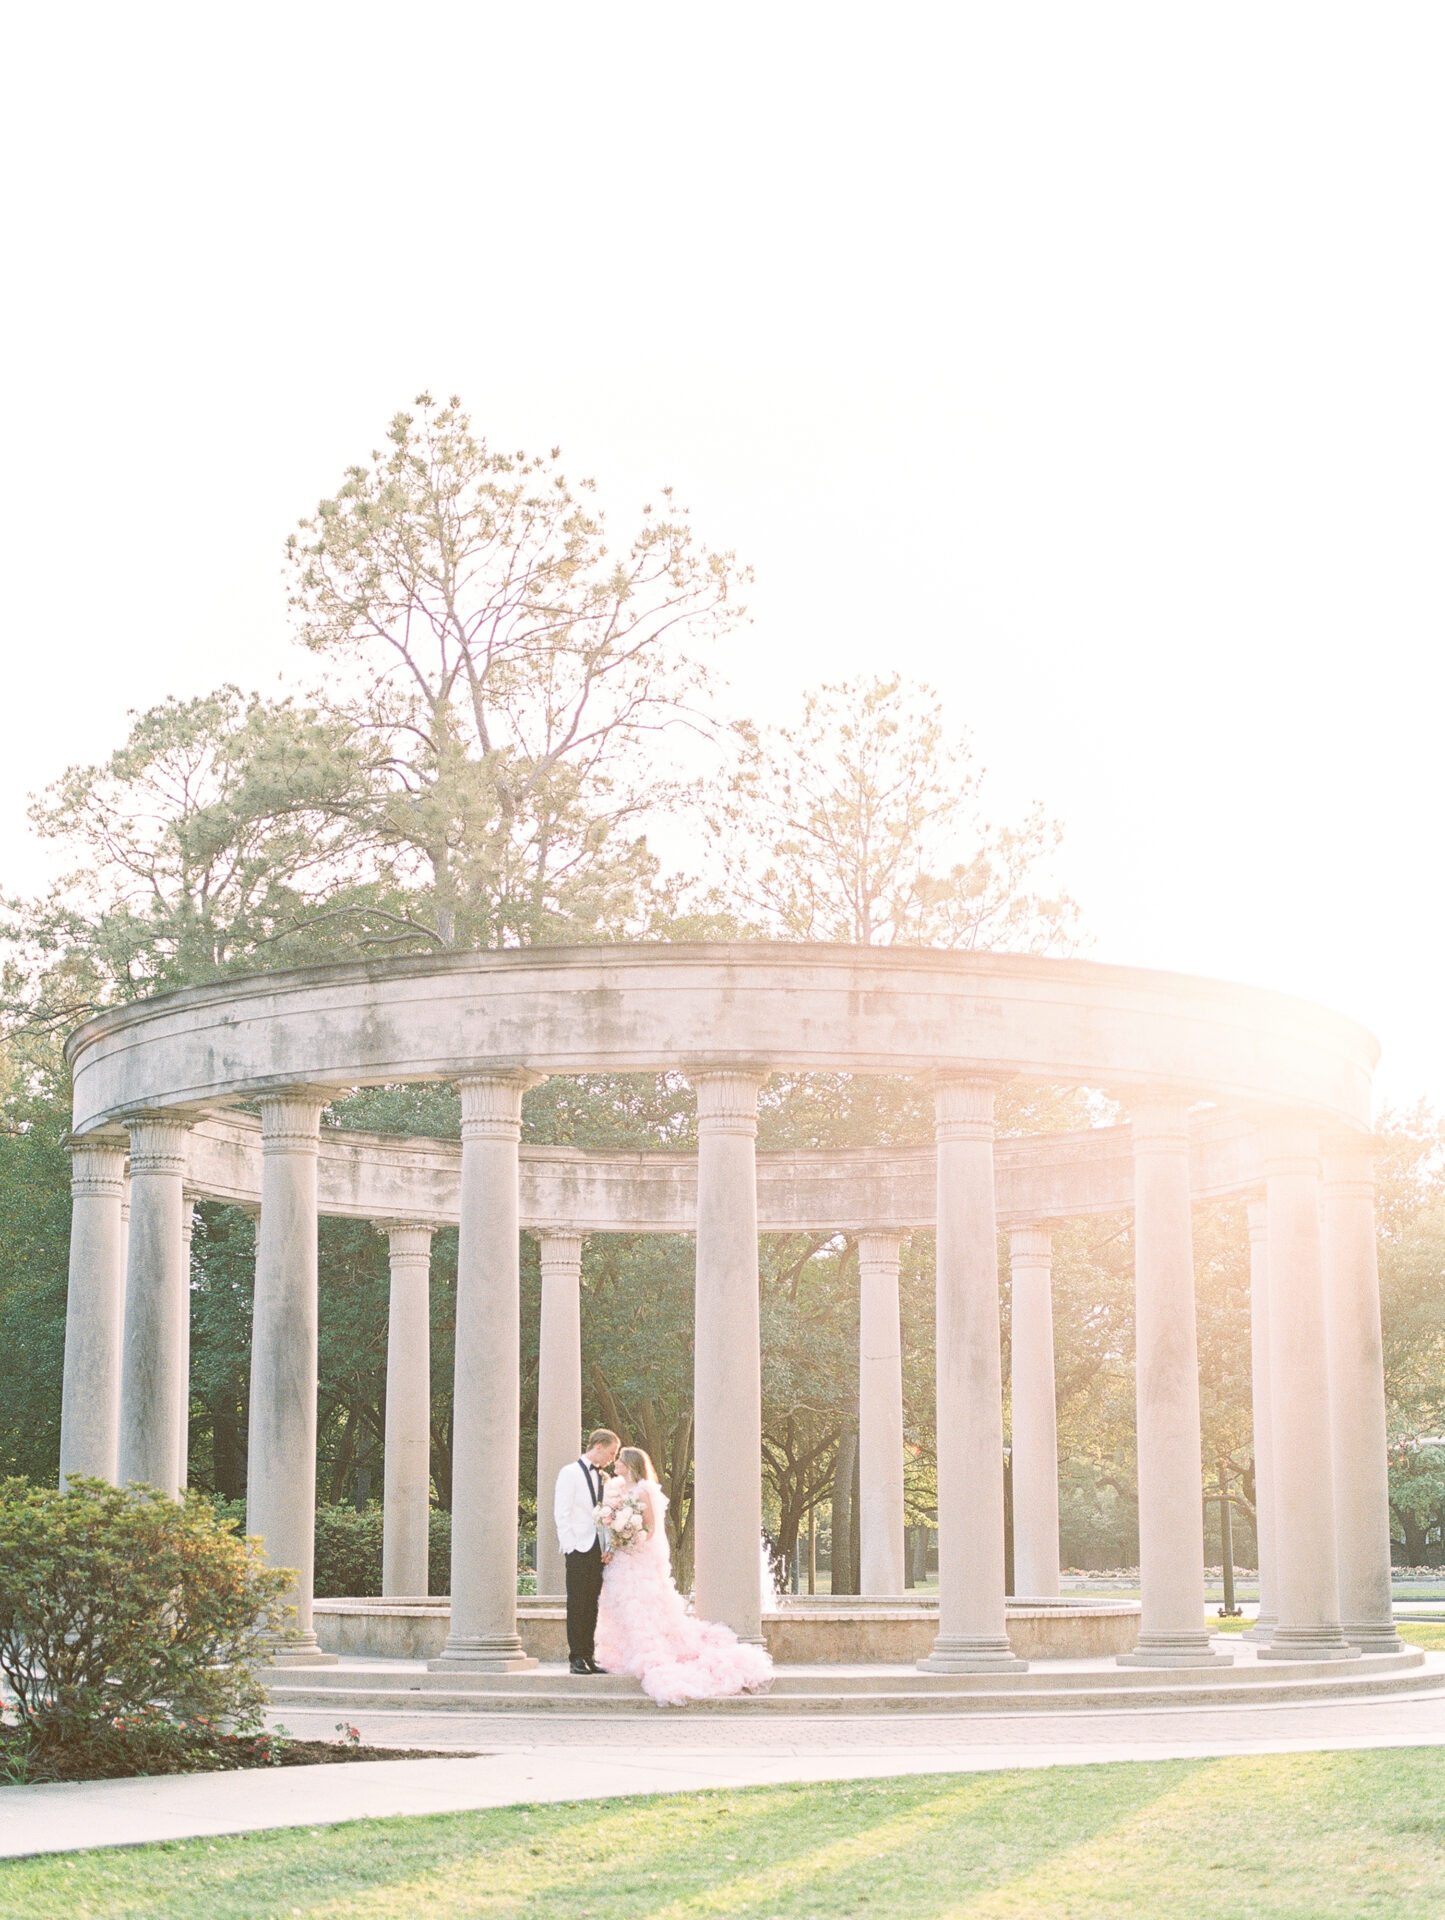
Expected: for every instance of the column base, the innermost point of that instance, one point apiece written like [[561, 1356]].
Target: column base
[[1174, 1650], [1374, 1636], [482, 1653], [1308, 1643], [1262, 1632], [972, 1653], [304, 1651]]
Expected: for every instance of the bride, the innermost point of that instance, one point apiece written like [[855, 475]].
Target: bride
[[643, 1626]]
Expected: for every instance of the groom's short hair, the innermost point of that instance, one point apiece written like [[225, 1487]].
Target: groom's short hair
[[603, 1437]]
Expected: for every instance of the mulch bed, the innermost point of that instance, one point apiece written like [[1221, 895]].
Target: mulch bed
[[112, 1757]]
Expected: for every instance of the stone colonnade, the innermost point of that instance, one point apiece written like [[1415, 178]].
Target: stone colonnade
[[1318, 1393]]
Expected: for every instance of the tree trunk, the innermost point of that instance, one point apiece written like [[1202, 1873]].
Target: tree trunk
[[341, 1471], [1414, 1532], [855, 1530], [227, 1459], [441, 1466], [843, 1481]]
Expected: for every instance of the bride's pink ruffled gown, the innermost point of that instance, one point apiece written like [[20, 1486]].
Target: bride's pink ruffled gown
[[643, 1628]]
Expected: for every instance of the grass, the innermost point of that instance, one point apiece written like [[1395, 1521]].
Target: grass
[[1303, 1835], [1426, 1634]]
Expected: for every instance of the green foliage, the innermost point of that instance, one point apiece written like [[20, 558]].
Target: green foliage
[[118, 1603], [34, 1255], [862, 824], [348, 1551], [227, 833], [348, 1548]]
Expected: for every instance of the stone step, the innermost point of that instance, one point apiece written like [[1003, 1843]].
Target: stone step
[[856, 1680], [611, 1697]]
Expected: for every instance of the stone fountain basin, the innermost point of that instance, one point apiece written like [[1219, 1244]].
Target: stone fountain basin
[[842, 1630]]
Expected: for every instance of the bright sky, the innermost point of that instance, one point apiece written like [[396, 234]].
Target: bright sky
[[1084, 360]]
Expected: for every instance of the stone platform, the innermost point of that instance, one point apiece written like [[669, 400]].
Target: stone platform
[[1074, 1686], [823, 1631]]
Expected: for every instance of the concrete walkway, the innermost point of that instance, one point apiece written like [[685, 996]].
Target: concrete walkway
[[521, 1760]]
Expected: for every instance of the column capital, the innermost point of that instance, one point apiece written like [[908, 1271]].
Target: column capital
[[1348, 1161], [559, 1246], [880, 1247], [408, 1237], [1290, 1149], [492, 1102], [963, 1106], [1158, 1122], [727, 1096], [291, 1118], [97, 1165], [1031, 1246], [158, 1141]]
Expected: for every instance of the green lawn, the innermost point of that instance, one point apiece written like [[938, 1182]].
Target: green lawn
[[1306, 1835], [1427, 1634]]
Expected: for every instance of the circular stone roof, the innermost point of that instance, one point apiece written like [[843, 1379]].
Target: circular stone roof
[[652, 1008]]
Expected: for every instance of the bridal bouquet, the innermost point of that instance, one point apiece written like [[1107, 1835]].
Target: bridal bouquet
[[622, 1516]]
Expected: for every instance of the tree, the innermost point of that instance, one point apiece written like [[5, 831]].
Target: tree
[[513, 669], [1410, 1173], [224, 834], [862, 824], [34, 1256]]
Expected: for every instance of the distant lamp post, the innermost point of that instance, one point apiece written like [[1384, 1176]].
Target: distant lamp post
[[1229, 1611]]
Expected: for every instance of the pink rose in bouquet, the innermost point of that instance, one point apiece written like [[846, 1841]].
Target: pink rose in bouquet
[[624, 1517]]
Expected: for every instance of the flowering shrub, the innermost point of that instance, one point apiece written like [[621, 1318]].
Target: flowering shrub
[[128, 1617]]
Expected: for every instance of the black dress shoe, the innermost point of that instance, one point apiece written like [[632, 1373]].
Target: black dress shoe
[[592, 1667], [584, 1666]]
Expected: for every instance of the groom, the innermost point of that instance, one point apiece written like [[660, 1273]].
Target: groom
[[579, 1488]]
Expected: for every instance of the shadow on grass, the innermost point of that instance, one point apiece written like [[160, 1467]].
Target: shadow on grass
[[882, 1847]]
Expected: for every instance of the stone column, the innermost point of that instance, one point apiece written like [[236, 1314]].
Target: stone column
[[487, 1394], [281, 1465], [1171, 1519], [972, 1634], [406, 1497], [728, 1392], [1357, 1398], [559, 1390], [880, 1414], [1263, 1403], [94, 1308], [1306, 1587], [1035, 1422], [150, 1394], [183, 1308]]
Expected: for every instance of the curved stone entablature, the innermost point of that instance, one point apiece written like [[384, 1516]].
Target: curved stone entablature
[[370, 1176], [655, 1008]]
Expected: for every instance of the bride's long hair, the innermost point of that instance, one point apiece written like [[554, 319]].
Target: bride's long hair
[[637, 1463]]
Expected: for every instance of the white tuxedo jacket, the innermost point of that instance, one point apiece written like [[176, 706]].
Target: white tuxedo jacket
[[572, 1508]]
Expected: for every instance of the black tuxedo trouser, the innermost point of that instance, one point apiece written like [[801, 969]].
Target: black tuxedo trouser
[[584, 1587]]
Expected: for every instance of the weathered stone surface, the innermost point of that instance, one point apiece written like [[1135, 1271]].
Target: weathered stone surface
[[815, 1635], [1059, 1176], [658, 1008]]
